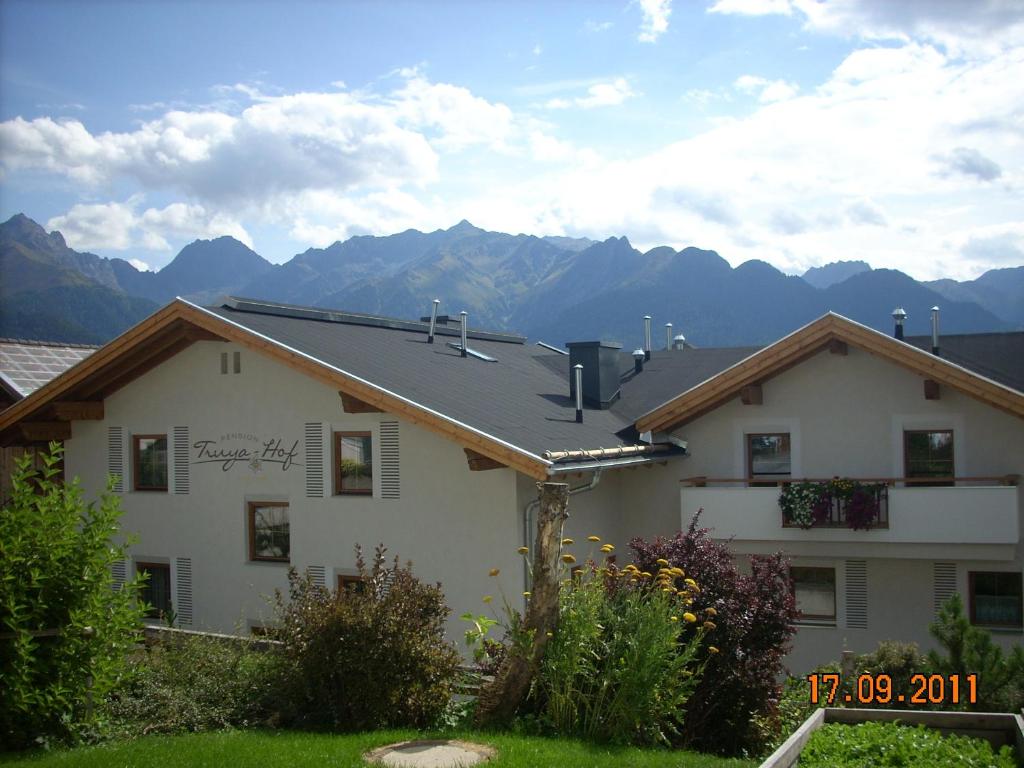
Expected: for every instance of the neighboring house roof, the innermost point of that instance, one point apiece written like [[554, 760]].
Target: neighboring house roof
[[25, 365], [812, 338], [997, 356]]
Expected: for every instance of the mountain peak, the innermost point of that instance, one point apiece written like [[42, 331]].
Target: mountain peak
[[835, 272], [465, 226]]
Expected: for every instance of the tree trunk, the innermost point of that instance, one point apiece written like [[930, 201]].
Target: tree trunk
[[498, 702]]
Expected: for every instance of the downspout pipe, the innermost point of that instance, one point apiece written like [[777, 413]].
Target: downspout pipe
[[528, 520]]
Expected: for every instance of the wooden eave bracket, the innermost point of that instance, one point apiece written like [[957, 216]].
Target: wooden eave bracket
[[352, 404], [752, 395], [931, 389], [74, 410], [480, 463], [837, 347]]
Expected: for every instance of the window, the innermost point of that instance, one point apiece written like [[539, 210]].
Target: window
[[815, 593], [928, 454], [268, 531], [156, 592], [149, 462], [353, 463], [768, 457], [349, 583], [996, 599]]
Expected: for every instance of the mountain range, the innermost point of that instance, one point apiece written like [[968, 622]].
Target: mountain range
[[555, 289]]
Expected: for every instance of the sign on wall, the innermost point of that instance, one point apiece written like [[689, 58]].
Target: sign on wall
[[244, 449]]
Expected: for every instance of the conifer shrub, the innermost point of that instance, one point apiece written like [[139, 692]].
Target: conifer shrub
[[65, 629], [755, 615], [368, 658]]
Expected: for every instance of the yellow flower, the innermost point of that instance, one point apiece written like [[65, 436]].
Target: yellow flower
[[712, 649], [674, 618], [666, 589], [646, 574], [593, 538], [691, 583], [661, 561], [690, 618], [566, 542], [487, 598], [711, 612], [567, 558], [678, 572], [526, 594], [523, 550], [494, 572], [709, 625], [607, 548]]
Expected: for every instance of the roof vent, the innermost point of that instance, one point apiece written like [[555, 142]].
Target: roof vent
[[600, 381], [647, 337], [935, 331], [668, 336], [638, 361], [899, 316], [577, 383], [464, 316], [679, 342]]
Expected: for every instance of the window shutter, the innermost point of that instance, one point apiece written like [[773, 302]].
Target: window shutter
[[318, 574], [943, 583], [183, 583], [180, 464], [115, 456], [390, 479], [118, 574], [314, 441], [857, 594]]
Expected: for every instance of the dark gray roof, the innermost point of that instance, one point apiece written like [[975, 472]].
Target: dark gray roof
[[517, 399], [523, 398], [996, 356]]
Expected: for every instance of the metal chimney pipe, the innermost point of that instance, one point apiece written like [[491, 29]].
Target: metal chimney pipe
[[899, 316], [668, 336], [935, 331], [647, 337], [433, 321], [577, 372], [464, 317]]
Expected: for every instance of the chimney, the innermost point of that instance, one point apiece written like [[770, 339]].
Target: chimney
[[647, 337], [935, 331], [600, 377], [577, 380], [433, 320], [464, 316], [899, 316], [668, 336], [638, 361], [679, 342]]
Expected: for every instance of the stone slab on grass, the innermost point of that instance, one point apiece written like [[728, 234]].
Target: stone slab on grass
[[430, 754]]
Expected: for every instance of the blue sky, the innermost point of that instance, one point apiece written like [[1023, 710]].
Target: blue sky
[[794, 131]]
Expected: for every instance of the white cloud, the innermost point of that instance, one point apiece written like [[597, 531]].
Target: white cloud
[[597, 26], [140, 265], [598, 95], [956, 25], [655, 19], [768, 91], [117, 226]]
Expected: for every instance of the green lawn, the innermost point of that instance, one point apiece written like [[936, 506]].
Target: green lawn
[[290, 749]]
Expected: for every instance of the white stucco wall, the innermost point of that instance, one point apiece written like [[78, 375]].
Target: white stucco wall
[[453, 524]]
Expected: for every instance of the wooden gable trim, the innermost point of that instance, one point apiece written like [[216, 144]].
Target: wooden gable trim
[[808, 341]]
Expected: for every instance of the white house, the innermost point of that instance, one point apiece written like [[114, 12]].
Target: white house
[[250, 436]]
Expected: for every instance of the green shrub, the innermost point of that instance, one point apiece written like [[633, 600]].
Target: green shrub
[[56, 554], [891, 744], [194, 683], [618, 668], [969, 649], [369, 658]]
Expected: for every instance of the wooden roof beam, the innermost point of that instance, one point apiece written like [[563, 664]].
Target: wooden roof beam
[[44, 431], [752, 395], [480, 463], [352, 404], [78, 410]]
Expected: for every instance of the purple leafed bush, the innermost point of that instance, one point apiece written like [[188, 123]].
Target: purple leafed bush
[[754, 621]]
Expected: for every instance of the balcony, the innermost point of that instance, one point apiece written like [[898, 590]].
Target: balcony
[[975, 510]]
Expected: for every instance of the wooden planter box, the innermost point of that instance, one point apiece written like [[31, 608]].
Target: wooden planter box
[[997, 727]]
